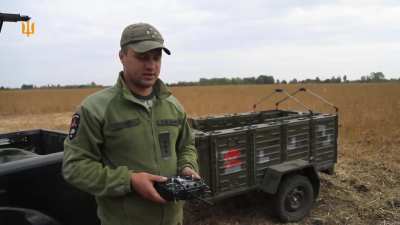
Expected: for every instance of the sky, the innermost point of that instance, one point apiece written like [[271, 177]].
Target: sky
[[77, 42]]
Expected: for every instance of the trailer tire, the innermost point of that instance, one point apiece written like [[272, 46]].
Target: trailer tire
[[294, 199]]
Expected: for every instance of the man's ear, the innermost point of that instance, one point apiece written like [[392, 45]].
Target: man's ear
[[121, 55]]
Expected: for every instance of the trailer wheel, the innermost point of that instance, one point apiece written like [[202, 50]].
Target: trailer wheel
[[294, 199]]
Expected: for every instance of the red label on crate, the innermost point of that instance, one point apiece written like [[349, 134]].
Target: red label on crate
[[232, 160]]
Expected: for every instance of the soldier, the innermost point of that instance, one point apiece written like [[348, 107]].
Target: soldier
[[124, 138]]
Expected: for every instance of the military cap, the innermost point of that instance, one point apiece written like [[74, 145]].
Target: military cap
[[142, 37]]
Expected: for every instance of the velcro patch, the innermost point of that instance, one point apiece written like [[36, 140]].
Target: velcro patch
[[73, 130], [124, 124], [165, 144], [168, 122]]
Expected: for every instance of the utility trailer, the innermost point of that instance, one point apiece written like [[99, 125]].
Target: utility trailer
[[277, 151], [268, 154]]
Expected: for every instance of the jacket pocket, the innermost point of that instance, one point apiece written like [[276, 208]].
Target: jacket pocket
[[168, 133]]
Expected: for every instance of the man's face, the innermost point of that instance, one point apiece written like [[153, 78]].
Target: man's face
[[141, 70]]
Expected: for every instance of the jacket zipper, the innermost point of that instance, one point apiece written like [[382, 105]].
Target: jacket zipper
[[156, 146]]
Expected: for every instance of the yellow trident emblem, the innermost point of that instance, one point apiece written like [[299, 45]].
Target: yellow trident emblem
[[27, 28]]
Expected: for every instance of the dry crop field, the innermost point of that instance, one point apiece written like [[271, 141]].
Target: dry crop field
[[364, 190]]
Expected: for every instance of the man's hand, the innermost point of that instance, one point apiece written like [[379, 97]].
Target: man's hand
[[143, 183], [187, 171]]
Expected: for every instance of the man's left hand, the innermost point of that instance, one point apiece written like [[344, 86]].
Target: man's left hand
[[187, 171]]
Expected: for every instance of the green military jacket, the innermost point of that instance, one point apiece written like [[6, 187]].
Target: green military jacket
[[112, 135]]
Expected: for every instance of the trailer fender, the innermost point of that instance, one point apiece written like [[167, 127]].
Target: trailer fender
[[275, 174]]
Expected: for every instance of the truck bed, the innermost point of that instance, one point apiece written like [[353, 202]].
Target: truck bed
[[31, 178]]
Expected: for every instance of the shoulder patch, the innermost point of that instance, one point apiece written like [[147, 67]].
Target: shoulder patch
[[73, 130]]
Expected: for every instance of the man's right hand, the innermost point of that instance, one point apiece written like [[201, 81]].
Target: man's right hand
[[143, 183]]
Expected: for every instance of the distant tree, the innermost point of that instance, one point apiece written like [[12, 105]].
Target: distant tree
[[327, 80], [364, 78], [236, 80], [249, 80], [333, 80], [202, 80], [27, 86], [264, 79], [345, 79], [376, 76], [293, 81], [283, 82]]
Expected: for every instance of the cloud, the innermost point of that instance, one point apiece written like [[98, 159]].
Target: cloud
[[78, 41]]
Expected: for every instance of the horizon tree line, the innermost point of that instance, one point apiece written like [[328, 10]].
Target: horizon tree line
[[261, 79]]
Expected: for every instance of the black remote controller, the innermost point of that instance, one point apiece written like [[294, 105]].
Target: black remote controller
[[182, 188]]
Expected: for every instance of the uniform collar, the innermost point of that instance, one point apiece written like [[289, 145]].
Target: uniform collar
[[160, 89]]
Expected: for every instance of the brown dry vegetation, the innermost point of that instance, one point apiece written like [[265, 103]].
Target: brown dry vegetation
[[364, 190]]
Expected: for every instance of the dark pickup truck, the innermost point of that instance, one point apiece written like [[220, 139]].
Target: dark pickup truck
[[32, 189], [279, 152]]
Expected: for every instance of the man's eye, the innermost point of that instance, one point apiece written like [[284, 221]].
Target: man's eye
[[145, 57], [141, 57]]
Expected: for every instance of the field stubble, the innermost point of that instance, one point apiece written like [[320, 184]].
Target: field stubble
[[364, 190]]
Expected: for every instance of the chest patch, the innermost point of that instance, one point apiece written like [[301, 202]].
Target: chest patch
[[165, 145], [73, 130], [168, 122], [124, 124]]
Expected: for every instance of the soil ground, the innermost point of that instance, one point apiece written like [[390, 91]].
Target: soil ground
[[365, 189]]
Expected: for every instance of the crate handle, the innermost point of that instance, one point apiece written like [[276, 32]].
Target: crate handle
[[311, 93], [279, 90], [291, 96], [265, 98]]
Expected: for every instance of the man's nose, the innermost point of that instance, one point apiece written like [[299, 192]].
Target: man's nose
[[151, 63]]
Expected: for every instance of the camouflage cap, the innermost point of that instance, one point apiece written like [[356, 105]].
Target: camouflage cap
[[142, 37]]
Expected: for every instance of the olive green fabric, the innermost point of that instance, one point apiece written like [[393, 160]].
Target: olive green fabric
[[116, 136], [142, 37]]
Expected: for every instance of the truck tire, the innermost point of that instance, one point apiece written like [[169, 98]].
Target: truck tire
[[294, 199]]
